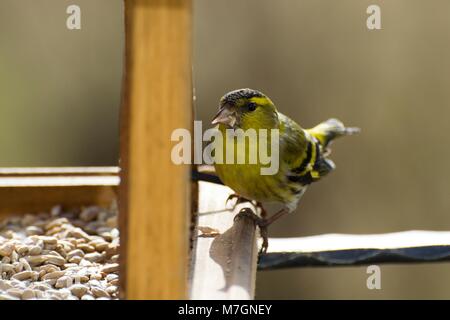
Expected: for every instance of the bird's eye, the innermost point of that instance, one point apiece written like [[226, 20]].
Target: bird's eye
[[251, 106]]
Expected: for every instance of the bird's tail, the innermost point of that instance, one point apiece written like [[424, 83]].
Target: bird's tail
[[329, 130]]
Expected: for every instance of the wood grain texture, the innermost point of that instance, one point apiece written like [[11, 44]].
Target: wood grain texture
[[224, 266], [154, 199], [21, 200], [33, 190]]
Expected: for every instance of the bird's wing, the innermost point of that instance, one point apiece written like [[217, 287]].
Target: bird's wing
[[293, 142], [303, 153]]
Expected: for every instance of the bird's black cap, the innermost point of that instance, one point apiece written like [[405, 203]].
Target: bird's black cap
[[233, 96]]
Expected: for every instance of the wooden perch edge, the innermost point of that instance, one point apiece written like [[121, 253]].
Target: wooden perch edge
[[223, 265], [243, 258]]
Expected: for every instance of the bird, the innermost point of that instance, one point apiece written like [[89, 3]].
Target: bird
[[303, 155]]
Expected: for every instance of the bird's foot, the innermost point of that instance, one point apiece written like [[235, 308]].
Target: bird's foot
[[239, 200], [263, 212], [260, 222]]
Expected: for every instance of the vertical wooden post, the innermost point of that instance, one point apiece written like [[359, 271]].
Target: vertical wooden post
[[154, 195]]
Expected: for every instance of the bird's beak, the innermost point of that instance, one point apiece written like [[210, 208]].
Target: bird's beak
[[226, 115]]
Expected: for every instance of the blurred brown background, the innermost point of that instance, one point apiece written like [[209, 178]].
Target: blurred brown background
[[59, 88], [60, 93]]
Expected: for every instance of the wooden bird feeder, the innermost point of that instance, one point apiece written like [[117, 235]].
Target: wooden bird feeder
[[157, 199]]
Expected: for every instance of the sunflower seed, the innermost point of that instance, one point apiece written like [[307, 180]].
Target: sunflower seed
[[48, 240], [28, 294], [76, 252], [94, 257], [35, 250], [109, 268], [6, 249], [59, 261], [85, 247], [98, 292], [25, 264], [33, 230], [53, 275], [78, 290], [5, 285], [64, 282], [88, 214], [6, 267], [25, 275]]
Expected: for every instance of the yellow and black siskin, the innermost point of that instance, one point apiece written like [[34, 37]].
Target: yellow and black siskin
[[303, 153]]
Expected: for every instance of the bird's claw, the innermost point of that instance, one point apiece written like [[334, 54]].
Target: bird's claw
[[265, 237], [260, 222], [231, 197], [238, 198]]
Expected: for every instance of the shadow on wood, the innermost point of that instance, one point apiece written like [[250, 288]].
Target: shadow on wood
[[223, 266]]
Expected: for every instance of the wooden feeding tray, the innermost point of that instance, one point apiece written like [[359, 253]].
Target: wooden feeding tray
[[47, 217], [221, 266], [28, 190]]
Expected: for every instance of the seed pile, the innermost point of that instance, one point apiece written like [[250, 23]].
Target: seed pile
[[60, 255]]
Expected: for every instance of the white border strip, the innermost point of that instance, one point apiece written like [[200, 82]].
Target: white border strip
[[333, 242]]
